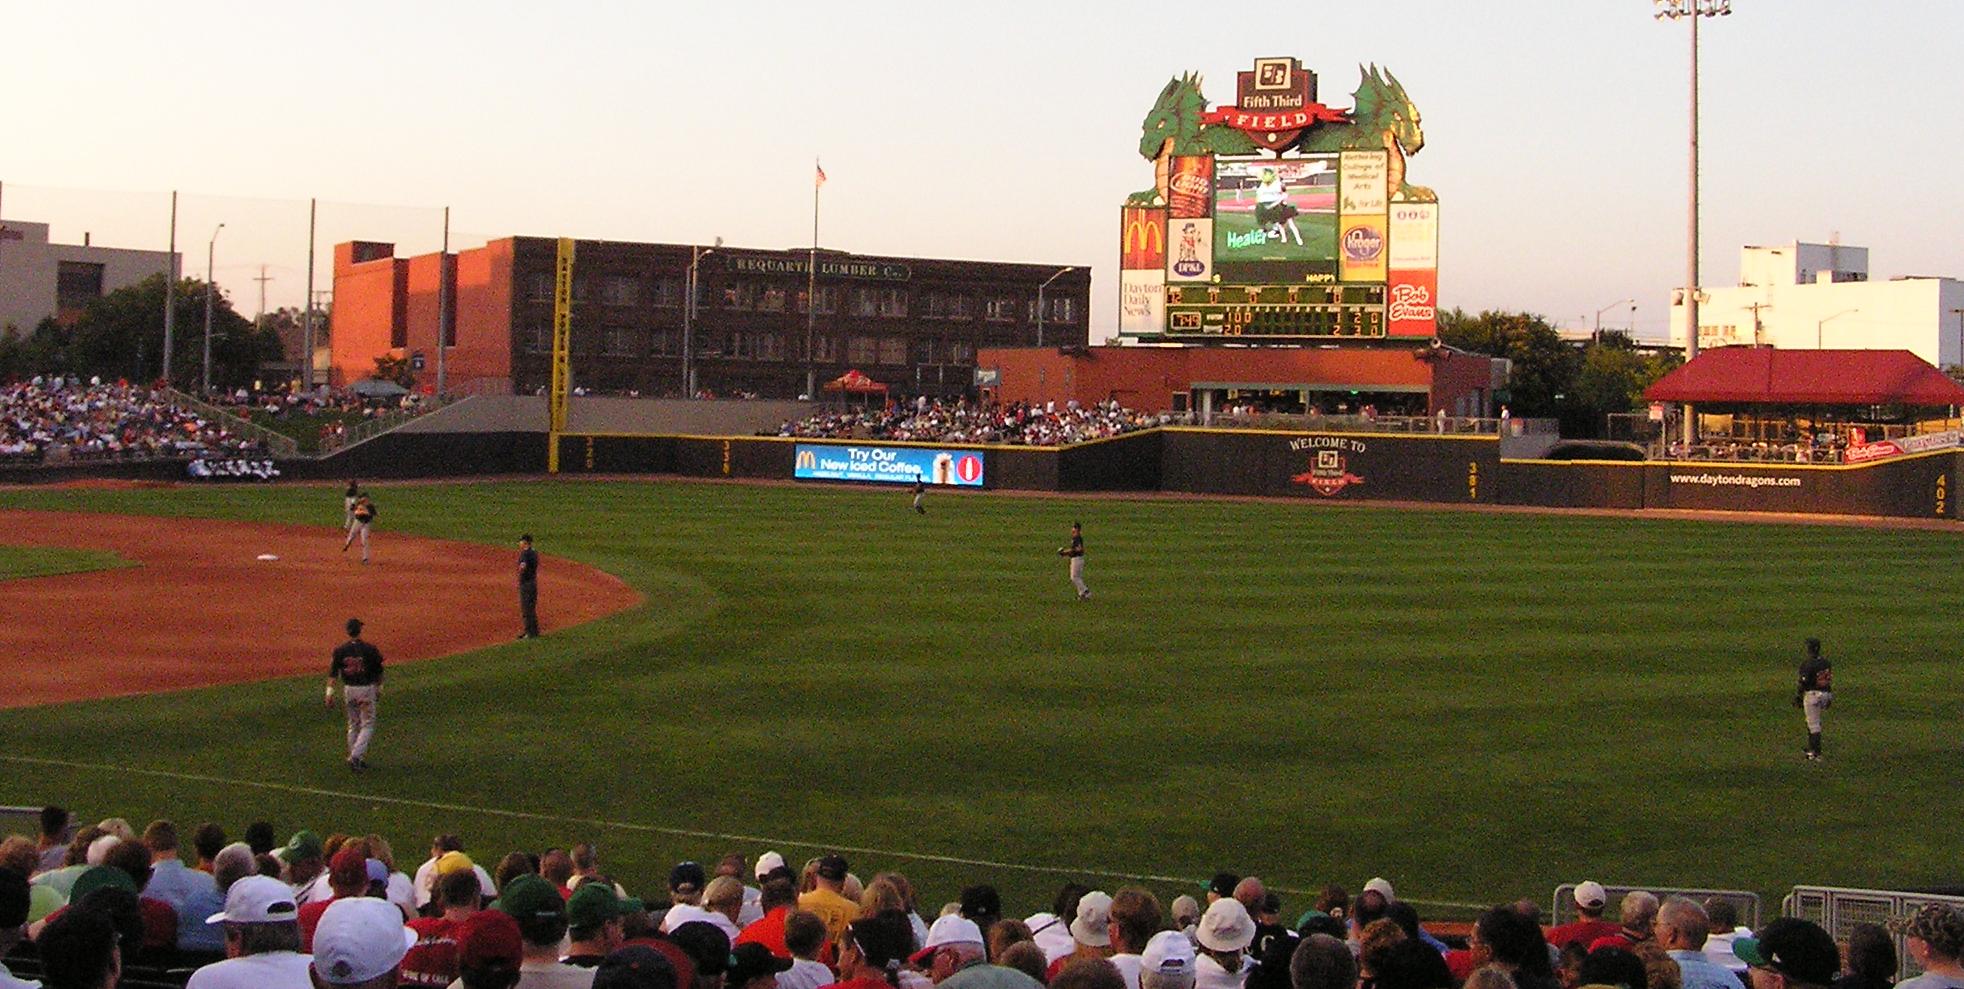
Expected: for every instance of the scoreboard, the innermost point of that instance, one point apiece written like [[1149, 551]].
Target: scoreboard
[[1275, 310]]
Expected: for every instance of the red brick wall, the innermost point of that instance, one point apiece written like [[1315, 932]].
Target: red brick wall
[[390, 306]]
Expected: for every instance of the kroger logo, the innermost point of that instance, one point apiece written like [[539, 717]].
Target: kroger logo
[[1362, 245]]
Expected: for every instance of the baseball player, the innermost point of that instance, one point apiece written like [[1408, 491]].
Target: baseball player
[[920, 492], [358, 665], [528, 588], [364, 516], [1075, 553], [1814, 694], [348, 499]]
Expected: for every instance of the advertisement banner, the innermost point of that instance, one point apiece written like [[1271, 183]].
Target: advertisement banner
[[1142, 244], [887, 464], [1411, 306], [1191, 258], [1141, 302], [1275, 210], [1881, 449], [1190, 187], [1361, 177], [1361, 253], [1414, 236], [231, 469]]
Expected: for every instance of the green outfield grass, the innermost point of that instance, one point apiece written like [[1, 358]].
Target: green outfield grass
[[17, 562], [1478, 706]]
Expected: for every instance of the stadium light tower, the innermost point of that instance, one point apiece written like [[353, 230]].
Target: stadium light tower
[[1061, 272], [1694, 10], [211, 249]]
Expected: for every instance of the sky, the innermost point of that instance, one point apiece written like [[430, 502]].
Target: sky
[[1556, 130]]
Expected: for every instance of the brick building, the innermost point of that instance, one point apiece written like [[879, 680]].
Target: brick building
[[914, 324]]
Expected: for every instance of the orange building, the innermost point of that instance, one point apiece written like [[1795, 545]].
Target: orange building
[[1405, 379]]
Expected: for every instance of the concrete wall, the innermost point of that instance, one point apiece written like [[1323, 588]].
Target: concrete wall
[[593, 414], [28, 266]]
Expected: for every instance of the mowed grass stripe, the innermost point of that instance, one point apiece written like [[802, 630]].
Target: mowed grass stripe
[[1479, 706]]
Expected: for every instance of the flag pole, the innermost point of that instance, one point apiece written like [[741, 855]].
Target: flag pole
[[811, 288]]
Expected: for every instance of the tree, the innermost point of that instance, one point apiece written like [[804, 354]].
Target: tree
[[1543, 365], [121, 335], [1614, 376], [396, 369]]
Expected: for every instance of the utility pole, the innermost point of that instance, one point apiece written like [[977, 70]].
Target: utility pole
[[259, 322], [170, 290], [1756, 307]]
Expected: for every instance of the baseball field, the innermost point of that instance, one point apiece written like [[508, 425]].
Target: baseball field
[[1477, 705]]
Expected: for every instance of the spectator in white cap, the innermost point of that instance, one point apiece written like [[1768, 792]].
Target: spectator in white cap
[[1225, 931], [1168, 962], [1091, 935], [1590, 901], [359, 943], [955, 958], [262, 938]]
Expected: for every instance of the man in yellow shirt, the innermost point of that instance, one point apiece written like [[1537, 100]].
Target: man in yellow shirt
[[827, 900]]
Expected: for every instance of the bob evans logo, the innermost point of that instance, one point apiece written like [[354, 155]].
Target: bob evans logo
[[1362, 244], [1411, 302]]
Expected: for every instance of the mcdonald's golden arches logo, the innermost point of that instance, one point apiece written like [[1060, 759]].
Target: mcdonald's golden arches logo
[[1143, 241], [807, 460]]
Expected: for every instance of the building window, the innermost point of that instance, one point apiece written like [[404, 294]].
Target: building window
[[893, 302], [893, 350], [582, 289], [1062, 309], [960, 352], [862, 350], [617, 341], [828, 300], [667, 292], [77, 283], [1000, 309], [667, 342], [757, 346], [959, 308], [924, 350], [742, 295], [541, 287], [864, 302], [773, 299], [617, 290], [538, 335], [825, 349]]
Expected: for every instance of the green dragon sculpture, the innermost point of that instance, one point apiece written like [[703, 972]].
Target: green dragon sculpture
[[1174, 128], [1382, 117]]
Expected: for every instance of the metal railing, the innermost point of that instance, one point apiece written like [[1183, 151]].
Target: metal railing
[[1746, 902], [277, 443], [1450, 425], [1838, 909], [368, 429]]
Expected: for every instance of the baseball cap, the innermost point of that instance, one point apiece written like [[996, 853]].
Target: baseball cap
[[96, 877], [348, 867], [948, 929], [530, 896], [686, 877], [1939, 925], [592, 904], [303, 845], [1795, 948], [359, 938], [637, 967], [1591, 894], [1092, 925], [1225, 926], [833, 867], [1382, 887], [768, 863], [377, 872], [751, 960], [1223, 883], [454, 862], [706, 945], [257, 900], [354, 626], [1168, 953], [487, 938]]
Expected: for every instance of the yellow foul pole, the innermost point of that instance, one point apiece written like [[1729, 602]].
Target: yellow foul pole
[[562, 341]]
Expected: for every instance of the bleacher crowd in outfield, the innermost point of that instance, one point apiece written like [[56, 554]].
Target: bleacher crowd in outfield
[[50, 417], [1022, 424], [104, 906]]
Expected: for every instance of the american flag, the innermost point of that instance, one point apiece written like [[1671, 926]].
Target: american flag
[[821, 174]]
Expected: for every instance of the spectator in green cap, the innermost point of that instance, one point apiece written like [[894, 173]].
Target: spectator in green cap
[[304, 863], [541, 916], [593, 921]]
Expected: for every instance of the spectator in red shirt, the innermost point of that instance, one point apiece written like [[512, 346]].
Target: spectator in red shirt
[[1639, 913], [347, 876], [1590, 899], [780, 898], [432, 960]]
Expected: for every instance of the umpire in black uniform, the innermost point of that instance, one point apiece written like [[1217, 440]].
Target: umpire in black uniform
[[528, 587]]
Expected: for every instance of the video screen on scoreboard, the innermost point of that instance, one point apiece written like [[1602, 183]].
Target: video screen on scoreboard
[[1276, 211]]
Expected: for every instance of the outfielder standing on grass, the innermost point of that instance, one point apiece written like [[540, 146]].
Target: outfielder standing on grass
[[920, 492], [358, 665], [1813, 694], [364, 514], [1075, 553]]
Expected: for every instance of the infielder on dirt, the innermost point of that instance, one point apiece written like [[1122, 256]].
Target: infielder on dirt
[[348, 499], [358, 665], [364, 516]]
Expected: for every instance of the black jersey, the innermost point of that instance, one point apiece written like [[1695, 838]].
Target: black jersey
[[356, 664], [1077, 546], [528, 566], [1817, 674]]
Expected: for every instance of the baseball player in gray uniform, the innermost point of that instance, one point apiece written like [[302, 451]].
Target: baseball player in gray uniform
[[1075, 553]]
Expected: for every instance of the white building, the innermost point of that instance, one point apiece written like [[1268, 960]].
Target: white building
[[1806, 296], [39, 279]]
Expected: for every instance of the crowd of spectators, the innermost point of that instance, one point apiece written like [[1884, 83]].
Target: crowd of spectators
[[105, 905], [335, 408], [51, 417], [1018, 423]]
